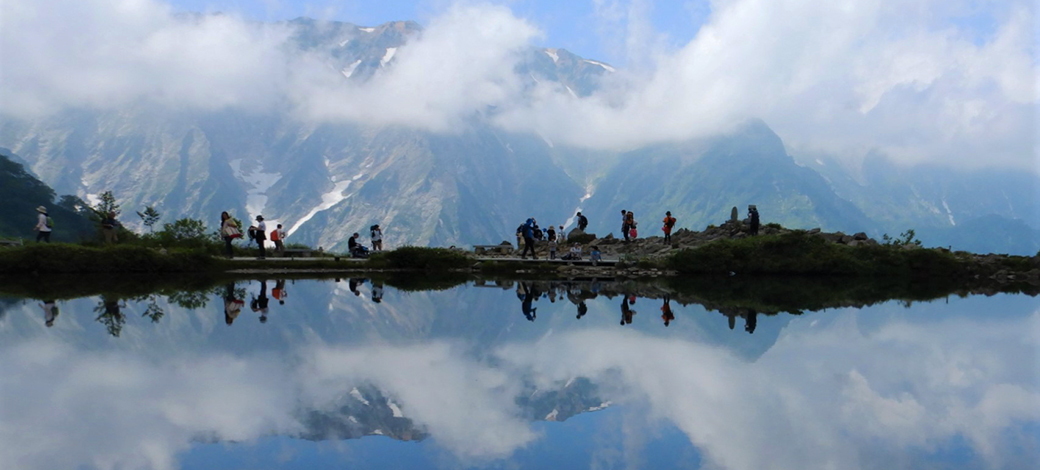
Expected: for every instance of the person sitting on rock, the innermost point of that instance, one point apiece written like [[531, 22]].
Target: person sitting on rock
[[357, 250], [574, 254]]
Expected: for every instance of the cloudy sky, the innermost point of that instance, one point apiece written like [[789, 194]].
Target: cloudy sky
[[953, 82]]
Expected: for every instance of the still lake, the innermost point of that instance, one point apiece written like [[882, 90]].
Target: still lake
[[355, 373]]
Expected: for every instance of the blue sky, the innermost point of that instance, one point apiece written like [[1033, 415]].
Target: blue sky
[[589, 28]]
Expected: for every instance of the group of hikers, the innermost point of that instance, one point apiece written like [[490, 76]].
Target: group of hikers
[[257, 232], [528, 233], [529, 292]]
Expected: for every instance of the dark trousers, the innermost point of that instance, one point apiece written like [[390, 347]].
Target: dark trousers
[[45, 236], [668, 237], [624, 231], [754, 228], [528, 245], [261, 251], [227, 247]]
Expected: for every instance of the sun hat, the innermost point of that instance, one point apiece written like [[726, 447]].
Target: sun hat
[[41, 209]]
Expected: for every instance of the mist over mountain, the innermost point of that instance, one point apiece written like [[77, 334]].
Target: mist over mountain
[[474, 182]]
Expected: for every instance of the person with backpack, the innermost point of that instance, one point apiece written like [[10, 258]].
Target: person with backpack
[[228, 231], [582, 222], [630, 219], [377, 238], [277, 236], [260, 235], [44, 225], [357, 250], [528, 229], [669, 222], [624, 224], [753, 216]]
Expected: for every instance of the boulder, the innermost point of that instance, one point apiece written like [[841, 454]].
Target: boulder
[[814, 231], [860, 236]]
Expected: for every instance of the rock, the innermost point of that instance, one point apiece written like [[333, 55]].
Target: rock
[[845, 239], [733, 214], [854, 242], [814, 231], [860, 236]]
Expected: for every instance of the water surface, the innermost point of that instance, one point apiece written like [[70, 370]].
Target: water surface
[[506, 374]]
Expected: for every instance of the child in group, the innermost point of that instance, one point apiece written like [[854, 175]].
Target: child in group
[[575, 253], [595, 255], [552, 248]]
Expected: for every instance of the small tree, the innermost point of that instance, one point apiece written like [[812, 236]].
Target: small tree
[[150, 216], [186, 229], [106, 204]]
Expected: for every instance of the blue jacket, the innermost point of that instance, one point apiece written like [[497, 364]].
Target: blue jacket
[[529, 228]]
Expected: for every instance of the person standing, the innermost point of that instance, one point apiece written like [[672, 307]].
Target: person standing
[[753, 216], [624, 224], [228, 231], [669, 222], [261, 237], [582, 222], [528, 233], [277, 236], [43, 225], [630, 219], [377, 238]]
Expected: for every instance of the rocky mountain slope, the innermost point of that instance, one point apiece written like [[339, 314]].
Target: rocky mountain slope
[[475, 184]]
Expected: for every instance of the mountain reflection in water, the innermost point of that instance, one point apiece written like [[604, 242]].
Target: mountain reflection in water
[[530, 373]]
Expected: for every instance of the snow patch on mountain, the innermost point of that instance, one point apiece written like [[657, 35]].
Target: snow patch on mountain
[[349, 70], [328, 200], [601, 64], [354, 392], [949, 213], [394, 409], [552, 55], [581, 202], [601, 406], [390, 51], [552, 415], [259, 182], [571, 92], [344, 43], [367, 30]]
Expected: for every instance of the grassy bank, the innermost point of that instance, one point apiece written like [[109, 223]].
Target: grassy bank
[[802, 254], [66, 258]]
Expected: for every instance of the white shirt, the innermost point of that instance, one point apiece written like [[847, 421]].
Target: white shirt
[[377, 235], [41, 223]]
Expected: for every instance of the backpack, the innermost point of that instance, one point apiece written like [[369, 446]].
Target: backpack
[[252, 233], [670, 222], [50, 222], [583, 221]]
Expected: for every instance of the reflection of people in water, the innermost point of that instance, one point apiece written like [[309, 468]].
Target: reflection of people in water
[[259, 304], [232, 306], [666, 311], [377, 291], [525, 305], [50, 312], [582, 309], [626, 311], [353, 284], [751, 321], [278, 292]]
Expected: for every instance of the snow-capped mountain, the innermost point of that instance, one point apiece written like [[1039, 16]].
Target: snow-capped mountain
[[470, 186]]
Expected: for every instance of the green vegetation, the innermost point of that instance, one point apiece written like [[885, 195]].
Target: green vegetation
[[21, 194], [801, 253], [149, 217], [66, 258]]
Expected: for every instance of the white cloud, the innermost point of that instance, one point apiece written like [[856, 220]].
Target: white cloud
[[914, 80]]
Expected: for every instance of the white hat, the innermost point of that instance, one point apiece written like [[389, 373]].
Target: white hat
[[41, 209]]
